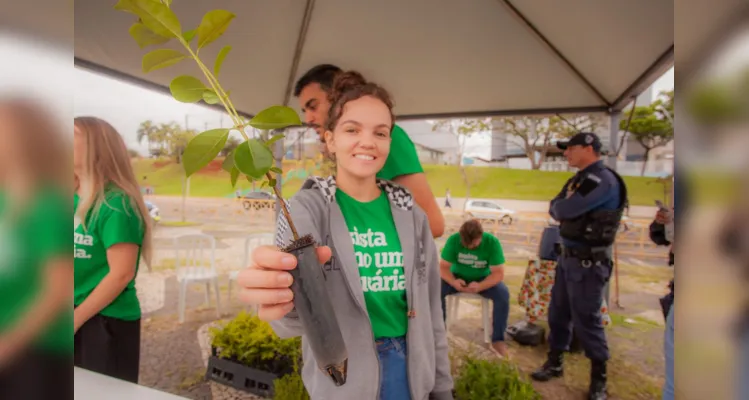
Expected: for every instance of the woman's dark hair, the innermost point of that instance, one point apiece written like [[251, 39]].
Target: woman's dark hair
[[349, 86], [470, 231]]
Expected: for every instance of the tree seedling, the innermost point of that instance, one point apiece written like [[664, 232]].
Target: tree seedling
[[157, 24]]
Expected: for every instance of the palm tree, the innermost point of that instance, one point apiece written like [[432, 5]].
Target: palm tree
[[146, 131]]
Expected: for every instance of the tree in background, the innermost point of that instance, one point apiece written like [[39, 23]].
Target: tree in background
[[719, 101], [462, 129], [651, 125], [536, 134], [147, 131], [177, 140], [566, 126], [165, 139]]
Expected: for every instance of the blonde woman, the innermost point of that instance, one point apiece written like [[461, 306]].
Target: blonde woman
[[112, 234], [36, 270]]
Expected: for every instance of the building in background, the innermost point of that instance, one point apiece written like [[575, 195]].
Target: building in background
[[428, 155], [434, 146]]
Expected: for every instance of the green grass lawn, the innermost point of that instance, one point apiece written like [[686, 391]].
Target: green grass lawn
[[485, 182]]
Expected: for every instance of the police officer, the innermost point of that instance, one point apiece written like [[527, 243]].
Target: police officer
[[589, 209]]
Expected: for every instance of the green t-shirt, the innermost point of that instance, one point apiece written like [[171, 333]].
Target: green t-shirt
[[31, 238], [403, 159], [472, 265], [380, 261], [118, 221]]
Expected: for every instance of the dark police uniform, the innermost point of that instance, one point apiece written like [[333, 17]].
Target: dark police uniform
[[589, 208]]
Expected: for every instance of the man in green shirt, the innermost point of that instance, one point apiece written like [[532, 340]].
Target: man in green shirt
[[402, 165], [473, 262]]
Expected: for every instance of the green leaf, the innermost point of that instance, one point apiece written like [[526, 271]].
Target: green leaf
[[220, 60], [210, 97], [187, 89], [214, 25], [276, 170], [276, 117], [274, 139], [234, 176], [228, 164], [253, 158], [161, 58], [189, 35], [155, 16], [202, 149], [272, 182], [145, 37], [167, 3], [264, 184]]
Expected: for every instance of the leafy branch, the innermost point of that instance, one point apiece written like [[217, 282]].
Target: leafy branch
[[157, 24]]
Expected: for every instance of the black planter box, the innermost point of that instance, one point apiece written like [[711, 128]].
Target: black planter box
[[239, 376]]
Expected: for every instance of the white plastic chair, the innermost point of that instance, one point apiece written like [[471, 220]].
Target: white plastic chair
[[192, 268], [251, 242], [453, 301]]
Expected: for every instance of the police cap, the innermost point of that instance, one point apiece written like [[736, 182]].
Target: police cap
[[582, 139]]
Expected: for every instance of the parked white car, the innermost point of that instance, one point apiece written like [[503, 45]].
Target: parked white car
[[489, 210]]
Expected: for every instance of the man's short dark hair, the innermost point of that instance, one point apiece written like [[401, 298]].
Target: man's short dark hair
[[470, 231], [323, 74]]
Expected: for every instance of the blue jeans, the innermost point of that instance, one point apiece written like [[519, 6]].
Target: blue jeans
[[393, 354], [743, 369], [668, 349], [500, 297]]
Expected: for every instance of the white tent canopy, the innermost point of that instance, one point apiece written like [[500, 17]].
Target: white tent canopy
[[439, 58]]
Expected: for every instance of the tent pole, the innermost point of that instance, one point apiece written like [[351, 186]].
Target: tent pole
[[614, 118]]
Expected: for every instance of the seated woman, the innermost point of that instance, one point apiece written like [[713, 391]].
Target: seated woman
[[473, 262]]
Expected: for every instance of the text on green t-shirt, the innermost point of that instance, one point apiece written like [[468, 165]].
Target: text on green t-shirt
[[379, 259], [117, 221], [473, 265]]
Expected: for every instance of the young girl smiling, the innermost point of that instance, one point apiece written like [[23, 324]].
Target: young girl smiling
[[383, 278]]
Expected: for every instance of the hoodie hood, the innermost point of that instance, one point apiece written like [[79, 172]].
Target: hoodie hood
[[398, 195]]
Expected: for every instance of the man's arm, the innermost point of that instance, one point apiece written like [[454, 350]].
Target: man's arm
[[403, 167], [419, 187], [562, 194], [592, 192], [496, 276], [497, 263], [445, 272]]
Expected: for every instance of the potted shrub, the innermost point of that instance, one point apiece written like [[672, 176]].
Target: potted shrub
[[290, 387], [247, 355], [481, 379]]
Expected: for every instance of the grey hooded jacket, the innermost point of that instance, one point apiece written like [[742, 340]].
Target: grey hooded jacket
[[315, 211]]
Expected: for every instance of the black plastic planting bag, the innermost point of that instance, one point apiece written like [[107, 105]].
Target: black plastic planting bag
[[315, 310]]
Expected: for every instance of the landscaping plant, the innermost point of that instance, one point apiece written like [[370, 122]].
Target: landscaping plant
[[250, 341], [157, 24], [480, 379], [290, 387]]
